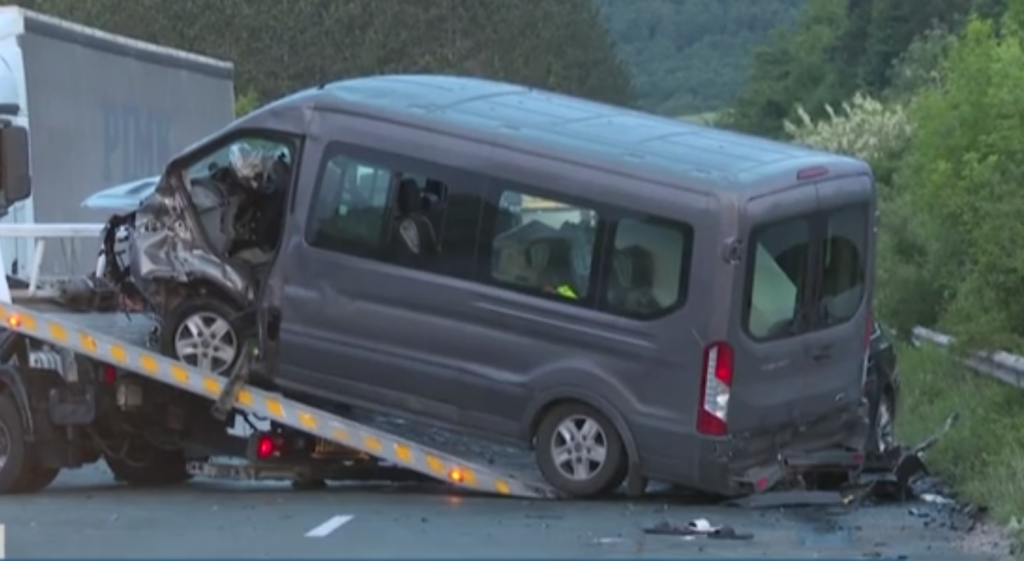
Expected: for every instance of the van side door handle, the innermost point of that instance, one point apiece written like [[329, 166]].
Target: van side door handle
[[823, 352]]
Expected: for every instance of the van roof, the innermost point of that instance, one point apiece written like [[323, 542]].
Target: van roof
[[601, 135]]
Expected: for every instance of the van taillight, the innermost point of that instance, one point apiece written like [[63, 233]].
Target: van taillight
[[716, 382]]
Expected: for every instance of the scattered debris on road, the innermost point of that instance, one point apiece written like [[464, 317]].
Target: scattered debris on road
[[899, 475], [695, 528]]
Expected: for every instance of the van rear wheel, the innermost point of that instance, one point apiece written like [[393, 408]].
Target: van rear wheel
[[580, 452]]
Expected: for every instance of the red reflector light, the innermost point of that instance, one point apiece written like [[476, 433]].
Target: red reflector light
[[265, 447], [811, 173], [109, 375], [715, 388]]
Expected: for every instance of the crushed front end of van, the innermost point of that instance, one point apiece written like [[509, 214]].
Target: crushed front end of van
[[209, 227], [153, 257]]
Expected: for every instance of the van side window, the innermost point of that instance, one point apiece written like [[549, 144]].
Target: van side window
[[844, 254], [649, 267], [542, 245], [778, 279], [396, 213], [351, 207]]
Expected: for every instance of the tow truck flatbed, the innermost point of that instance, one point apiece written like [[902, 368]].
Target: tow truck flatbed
[[121, 340]]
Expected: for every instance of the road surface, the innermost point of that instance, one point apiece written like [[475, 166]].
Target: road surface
[[85, 515]]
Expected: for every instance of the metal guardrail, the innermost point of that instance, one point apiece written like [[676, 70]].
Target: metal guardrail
[[1005, 367]]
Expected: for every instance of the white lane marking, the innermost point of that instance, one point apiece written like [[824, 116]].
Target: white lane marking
[[332, 524], [3, 546]]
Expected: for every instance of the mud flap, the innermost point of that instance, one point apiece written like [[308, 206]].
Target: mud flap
[[636, 483], [72, 405]]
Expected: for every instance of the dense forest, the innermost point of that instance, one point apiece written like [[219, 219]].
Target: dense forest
[[677, 57], [692, 56], [279, 46], [838, 48]]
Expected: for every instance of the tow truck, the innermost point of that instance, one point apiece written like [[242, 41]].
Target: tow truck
[[51, 418], [71, 383], [67, 381]]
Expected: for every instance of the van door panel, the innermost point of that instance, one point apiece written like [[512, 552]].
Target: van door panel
[[769, 366], [847, 206], [786, 379]]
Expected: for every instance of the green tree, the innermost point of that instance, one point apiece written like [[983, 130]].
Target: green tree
[[862, 127], [920, 66], [796, 67], [691, 56], [836, 50], [957, 259]]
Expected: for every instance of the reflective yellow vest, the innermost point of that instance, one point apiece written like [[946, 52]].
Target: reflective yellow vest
[[567, 291]]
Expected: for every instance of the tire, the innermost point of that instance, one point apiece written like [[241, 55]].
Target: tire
[[161, 468], [16, 466], [604, 477], [208, 311], [880, 438], [19, 473]]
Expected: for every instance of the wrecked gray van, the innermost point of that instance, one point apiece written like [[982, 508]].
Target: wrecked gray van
[[626, 294]]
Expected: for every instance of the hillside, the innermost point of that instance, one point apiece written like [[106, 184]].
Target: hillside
[[691, 56]]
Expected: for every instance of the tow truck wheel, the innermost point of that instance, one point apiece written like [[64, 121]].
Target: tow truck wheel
[[580, 452], [18, 472], [159, 467], [199, 333]]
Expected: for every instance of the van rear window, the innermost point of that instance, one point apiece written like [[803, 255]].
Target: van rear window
[[780, 283], [779, 277]]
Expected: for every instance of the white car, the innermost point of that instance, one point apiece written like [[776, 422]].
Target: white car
[[125, 197]]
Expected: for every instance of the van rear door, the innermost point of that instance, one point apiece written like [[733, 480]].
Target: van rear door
[[800, 336]]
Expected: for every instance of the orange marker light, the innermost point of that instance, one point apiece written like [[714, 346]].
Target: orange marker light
[[14, 322], [456, 475]]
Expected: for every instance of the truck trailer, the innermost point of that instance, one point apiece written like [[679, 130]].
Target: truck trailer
[[102, 109]]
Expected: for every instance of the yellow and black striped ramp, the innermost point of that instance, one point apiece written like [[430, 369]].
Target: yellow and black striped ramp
[[88, 339]]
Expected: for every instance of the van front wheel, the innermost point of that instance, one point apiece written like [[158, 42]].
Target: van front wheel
[[580, 452]]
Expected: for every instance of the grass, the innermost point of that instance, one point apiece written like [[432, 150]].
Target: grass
[[983, 455]]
